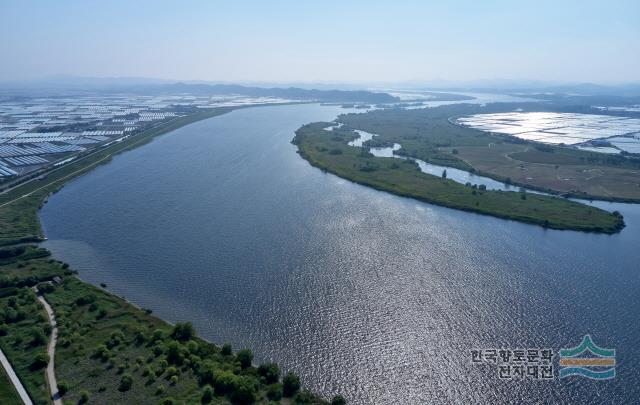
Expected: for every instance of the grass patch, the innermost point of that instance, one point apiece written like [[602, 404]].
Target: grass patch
[[8, 393]]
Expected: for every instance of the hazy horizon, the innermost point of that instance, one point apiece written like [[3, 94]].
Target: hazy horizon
[[359, 42]]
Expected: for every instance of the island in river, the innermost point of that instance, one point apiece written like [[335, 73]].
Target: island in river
[[428, 134]]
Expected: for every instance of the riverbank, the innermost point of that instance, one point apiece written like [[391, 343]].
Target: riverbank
[[329, 151], [109, 350], [434, 136]]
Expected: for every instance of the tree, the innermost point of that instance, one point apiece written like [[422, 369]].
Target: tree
[[244, 392], [183, 331], [245, 357], [270, 372], [444, 174], [126, 381], [290, 384], [226, 349]]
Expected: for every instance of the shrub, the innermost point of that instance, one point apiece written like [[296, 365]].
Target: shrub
[[270, 372], [157, 335], [225, 382], [274, 392], [174, 353], [192, 347], [207, 394], [63, 387], [158, 350], [171, 371], [102, 352], [148, 371], [290, 384], [126, 381], [37, 336], [245, 357], [40, 361], [183, 331], [115, 339], [84, 397]]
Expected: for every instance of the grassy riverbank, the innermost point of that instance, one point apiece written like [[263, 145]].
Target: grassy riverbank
[[328, 150], [110, 351], [429, 135], [19, 207]]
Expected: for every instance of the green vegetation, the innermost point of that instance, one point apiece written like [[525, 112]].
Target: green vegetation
[[7, 392], [430, 135], [109, 351], [404, 178], [24, 326]]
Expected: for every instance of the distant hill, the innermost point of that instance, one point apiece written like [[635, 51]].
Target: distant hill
[[56, 85], [292, 93]]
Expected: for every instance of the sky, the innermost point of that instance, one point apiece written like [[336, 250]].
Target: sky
[[323, 41]]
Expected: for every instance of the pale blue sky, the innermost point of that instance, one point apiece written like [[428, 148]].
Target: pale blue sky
[[327, 40]]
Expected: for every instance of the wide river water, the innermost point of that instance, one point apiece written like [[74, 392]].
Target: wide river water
[[363, 293]]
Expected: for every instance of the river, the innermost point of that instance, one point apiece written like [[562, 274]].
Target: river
[[363, 293]]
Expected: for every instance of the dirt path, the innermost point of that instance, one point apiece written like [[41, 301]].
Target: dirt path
[[51, 349]]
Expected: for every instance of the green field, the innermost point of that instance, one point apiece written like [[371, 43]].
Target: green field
[[328, 150], [429, 134]]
